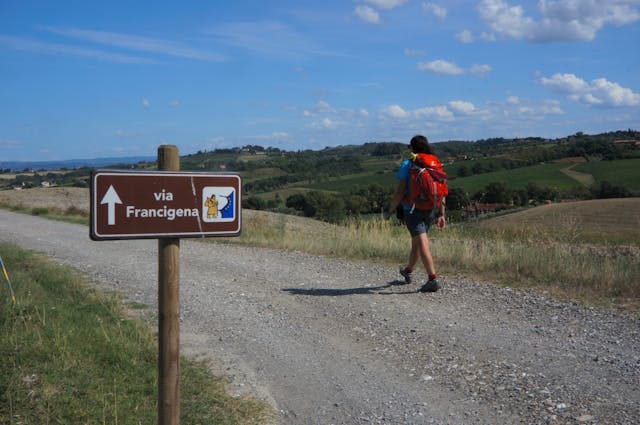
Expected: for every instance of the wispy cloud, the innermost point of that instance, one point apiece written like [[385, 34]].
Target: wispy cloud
[[386, 4], [270, 38], [24, 44], [138, 43], [414, 52], [9, 144]]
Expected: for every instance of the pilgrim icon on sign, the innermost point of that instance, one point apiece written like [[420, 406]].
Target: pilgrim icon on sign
[[218, 204]]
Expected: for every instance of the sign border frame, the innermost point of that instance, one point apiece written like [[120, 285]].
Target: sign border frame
[[95, 236]]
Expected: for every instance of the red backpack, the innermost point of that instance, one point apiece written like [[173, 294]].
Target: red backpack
[[427, 182]]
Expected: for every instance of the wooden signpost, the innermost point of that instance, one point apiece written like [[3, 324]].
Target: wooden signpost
[[165, 205]]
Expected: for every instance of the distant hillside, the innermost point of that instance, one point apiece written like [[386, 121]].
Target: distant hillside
[[355, 180], [71, 163]]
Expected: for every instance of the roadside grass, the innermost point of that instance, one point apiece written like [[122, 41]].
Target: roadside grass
[[562, 262], [70, 354], [70, 214]]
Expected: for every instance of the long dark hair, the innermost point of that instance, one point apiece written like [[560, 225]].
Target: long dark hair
[[420, 144]]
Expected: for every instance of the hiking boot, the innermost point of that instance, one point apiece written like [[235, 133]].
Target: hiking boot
[[431, 286], [408, 276]]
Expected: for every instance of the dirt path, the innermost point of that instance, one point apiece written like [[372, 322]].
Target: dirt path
[[584, 179], [335, 342]]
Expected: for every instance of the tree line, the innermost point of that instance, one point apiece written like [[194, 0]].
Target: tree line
[[373, 199]]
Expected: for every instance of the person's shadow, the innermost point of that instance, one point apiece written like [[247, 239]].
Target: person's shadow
[[332, 292]]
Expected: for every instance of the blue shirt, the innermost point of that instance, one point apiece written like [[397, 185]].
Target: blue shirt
[[403, 174]]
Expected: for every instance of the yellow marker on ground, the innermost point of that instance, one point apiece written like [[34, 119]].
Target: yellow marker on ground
[[6, 276]]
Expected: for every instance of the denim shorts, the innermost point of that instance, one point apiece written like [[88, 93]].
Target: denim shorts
[[418, 221]]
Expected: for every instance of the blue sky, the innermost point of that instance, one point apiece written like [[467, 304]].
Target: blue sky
[[85, 79]]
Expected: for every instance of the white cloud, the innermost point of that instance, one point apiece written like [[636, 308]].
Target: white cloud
[[462, 106], [321, 107], [564, 83], [551, 107], [504, 19], [598, 92], [513, 100], [435, 112], [174, 103], [480, 70], [448, 68], [526, 110], [328, 123], [146, 103], [395, 111], [609, 93], [440, 67], [560, 20], [367, 14], [465, 36], [386, 4], [438, 112], [325, 124], [438, 11]]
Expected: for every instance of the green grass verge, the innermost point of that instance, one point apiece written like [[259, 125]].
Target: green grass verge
[[71, 355]]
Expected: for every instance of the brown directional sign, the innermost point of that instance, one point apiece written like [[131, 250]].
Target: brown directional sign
[[164, 204]]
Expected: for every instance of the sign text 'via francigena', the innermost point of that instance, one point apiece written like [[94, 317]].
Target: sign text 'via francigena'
[[158, 204]]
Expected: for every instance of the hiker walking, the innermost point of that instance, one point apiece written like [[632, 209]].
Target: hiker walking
[[420, 208]]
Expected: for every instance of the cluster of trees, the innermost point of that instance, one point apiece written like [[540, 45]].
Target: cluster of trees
[[500, 193], [331, 207], [536, 148]]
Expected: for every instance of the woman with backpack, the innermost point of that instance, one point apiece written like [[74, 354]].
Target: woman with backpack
[[421, 191]]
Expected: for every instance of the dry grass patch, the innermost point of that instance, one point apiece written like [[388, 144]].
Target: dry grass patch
[[52, 198], [598, 220]]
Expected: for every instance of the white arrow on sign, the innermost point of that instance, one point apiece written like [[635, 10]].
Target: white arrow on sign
[[111, 198]]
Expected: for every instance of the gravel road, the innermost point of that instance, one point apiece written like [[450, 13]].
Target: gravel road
[[335, 342]]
